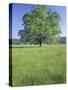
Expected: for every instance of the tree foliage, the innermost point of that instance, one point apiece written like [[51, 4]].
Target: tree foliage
[[39, 25]]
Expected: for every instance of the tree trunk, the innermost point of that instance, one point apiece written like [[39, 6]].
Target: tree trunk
[[40, 43]]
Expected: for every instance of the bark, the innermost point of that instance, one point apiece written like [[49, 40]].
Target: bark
[[40, 42]]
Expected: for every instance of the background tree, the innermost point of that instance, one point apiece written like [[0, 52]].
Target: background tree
[[40, 25]]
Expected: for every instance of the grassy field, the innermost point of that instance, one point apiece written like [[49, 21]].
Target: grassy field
[[38, 65]]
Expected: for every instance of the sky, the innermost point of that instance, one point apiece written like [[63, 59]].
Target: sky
[[18, 11]]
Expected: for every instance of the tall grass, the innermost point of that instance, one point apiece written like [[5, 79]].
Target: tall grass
[[38, 66]]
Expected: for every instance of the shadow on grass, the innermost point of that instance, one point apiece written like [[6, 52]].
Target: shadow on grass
[[37, 46]]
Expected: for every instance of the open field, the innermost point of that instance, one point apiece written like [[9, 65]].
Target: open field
[[38, 65]]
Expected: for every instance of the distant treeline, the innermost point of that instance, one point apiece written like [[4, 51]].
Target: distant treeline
[[17, 41], [62, 39], [14, 41]]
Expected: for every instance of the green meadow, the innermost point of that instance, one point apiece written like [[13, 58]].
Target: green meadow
[[34, 65]]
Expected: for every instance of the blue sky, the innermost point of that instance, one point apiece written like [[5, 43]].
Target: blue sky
[[18, 10]]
